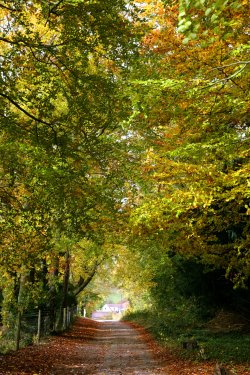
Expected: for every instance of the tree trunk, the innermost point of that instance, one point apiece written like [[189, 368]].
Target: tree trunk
[[64, 297], [23, 296], [52, 292], [82, 283]]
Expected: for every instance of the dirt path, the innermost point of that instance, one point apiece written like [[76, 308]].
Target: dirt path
[[89, 348], [117, 349], [126, 352], [93, 348]]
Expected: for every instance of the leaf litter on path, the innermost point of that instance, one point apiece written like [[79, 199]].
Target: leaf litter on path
[[102, 348]]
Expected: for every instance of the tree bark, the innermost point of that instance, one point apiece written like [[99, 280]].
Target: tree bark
[[82, 283]]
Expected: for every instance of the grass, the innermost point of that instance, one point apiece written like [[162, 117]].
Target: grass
[[172, 331], [221, 347]]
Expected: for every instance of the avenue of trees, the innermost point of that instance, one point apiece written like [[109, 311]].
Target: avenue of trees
[[124, 151]]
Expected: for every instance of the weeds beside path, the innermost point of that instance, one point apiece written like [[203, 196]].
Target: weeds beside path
[[100, 349]]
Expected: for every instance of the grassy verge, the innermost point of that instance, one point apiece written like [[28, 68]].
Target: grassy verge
[[172, 331], [8, 341]]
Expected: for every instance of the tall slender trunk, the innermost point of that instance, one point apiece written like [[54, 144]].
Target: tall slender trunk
[[23, 297], [66, 279], [52, 292], [64, 299]]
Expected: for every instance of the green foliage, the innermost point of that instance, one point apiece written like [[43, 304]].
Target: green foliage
[[172, 322], [196, 130], [112, 158], [61, 172], [172, 329], [227, 347], [195, 16], [8, 341]]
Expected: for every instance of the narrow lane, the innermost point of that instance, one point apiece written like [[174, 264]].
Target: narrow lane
[[93, 348], [125, 351], [116, 349], [89, 348]]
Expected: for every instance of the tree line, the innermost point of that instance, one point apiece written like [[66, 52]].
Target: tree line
[[124, 147]]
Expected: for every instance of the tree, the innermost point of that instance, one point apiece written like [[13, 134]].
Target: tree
[[193, 101], [61, 77]]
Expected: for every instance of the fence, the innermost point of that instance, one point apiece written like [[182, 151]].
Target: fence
[[33, 325]]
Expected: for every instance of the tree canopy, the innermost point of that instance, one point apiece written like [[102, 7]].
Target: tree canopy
[[124, 145]]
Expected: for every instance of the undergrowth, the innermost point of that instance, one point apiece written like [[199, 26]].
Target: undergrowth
[[8, 341], [173, 330]]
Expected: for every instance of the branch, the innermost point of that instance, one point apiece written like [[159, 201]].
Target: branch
[[52, 10], [26, 112], [21, 41], [8, 8], [9, 41], [51, 62], [227, 78], [235, 63], [234, 74], [82, 283]]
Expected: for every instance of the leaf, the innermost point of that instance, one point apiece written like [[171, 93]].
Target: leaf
[[208, 11]]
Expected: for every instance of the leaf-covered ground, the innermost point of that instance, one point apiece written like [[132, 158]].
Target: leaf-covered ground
[[101, 348]]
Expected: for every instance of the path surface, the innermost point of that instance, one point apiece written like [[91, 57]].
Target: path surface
[[107, 348], [89, 348], [126, 352], [117, 349]]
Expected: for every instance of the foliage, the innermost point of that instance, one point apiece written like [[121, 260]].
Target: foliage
[[174, 329], [61, 171], [197, 125], [215, 15], [230, 347], [124, 150]]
